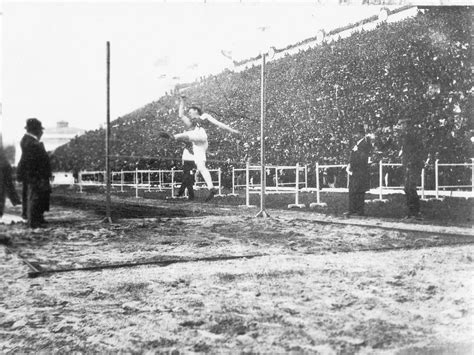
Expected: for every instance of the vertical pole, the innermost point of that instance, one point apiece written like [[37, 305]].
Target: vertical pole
[[347, 179], [149, 181], [297, 198], [80, 182], [172, 182], [136, 182], [262, 212], [233, 179], [306, 176], [108, 212], [220, 181], [318, 197], [423, 183], [472, 176], [122, 180], [276, 178], [247, 184], [436, 178], [380, 179]]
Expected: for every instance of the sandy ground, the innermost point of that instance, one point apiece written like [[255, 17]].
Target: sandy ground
[[319, 288]]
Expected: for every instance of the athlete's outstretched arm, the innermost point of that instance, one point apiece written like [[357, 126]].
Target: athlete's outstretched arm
[[181, 114], [208, 117]]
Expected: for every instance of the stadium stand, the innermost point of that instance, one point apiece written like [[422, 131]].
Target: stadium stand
[[315, 99]]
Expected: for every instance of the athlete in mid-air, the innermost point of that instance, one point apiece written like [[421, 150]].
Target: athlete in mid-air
[[196, 134]]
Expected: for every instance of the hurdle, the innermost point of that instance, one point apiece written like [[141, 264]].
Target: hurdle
[[381, 178], [87, 182], [247, 185], [319, 167], [297, 203], [438, 186], [318, 202], [233, 183], [280, 187]]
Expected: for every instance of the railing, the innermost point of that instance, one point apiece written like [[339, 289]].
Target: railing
[[381, 178], [318, 183], [150, 180], [277, 186], [166, 180], [437, 184]]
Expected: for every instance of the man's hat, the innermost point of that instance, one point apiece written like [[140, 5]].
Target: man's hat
[[33, 124]]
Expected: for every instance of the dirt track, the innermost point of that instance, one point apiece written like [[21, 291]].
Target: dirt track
[[313, 292]]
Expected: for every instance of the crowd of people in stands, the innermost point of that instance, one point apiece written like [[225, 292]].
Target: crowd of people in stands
[[417, 68]]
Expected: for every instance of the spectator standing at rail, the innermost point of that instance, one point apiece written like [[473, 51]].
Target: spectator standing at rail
[[34, 171], [7, 187], [358, 170], [412, 155]]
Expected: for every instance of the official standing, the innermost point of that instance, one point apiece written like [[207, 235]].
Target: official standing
[[7, 188], [188, 173], [358, 169], [34, 171], [413, 157]]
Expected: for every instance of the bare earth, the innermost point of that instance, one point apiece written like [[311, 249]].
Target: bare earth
[[318, 288]]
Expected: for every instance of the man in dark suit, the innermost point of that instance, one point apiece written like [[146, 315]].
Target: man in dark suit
[[358, 169], [21, 178], [413, 160], [7, 188], [34, 171], [188, 172]]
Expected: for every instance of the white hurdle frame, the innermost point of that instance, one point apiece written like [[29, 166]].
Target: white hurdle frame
[[318, 166], [278, 186], [438, 186], [297, 203], [381, 177], [298, 168], [138, 180]]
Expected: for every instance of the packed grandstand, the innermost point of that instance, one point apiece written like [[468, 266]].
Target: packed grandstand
[[417, 68]]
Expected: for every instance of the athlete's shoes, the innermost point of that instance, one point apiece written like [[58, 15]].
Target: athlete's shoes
[[211, 194]]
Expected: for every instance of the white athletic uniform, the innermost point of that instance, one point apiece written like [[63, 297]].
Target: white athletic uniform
[[198, 137]]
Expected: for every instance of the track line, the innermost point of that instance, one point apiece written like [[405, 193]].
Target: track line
[[163, 263]]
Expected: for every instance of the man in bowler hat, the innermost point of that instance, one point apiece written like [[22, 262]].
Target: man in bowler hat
[[358, 169], [34, 171]]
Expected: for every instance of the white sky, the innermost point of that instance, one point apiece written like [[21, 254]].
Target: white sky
[[53, 54]]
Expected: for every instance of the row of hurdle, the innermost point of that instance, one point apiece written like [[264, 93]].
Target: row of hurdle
[[285, 179]]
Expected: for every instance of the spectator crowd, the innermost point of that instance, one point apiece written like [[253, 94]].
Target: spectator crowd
[[418, 68]]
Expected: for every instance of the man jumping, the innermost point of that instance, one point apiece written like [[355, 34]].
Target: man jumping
[[197, 135]]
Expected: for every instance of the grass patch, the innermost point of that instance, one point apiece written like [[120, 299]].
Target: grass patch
[[450, 210], [134, 290], [229, 277]]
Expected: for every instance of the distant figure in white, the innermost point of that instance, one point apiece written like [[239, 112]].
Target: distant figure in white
[[196, 134]]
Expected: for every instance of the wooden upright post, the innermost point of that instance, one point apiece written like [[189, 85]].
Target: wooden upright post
[[108, 210], [263, 212]]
